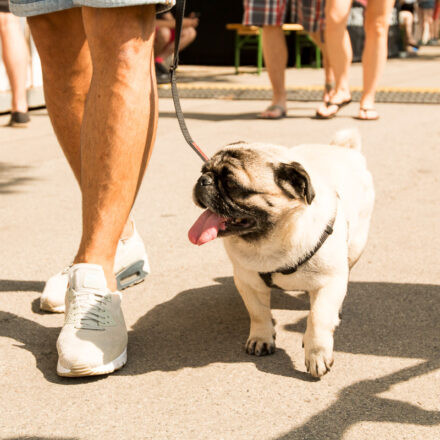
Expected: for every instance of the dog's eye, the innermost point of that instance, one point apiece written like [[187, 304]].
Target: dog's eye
[[230, 184]]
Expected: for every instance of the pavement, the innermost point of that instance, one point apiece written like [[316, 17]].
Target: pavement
[[187, 376]]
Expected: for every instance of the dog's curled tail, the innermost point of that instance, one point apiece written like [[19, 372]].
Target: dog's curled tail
[[348, 138]]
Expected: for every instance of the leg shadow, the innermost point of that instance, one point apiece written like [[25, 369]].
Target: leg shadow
[[360, 403], [196, 328]]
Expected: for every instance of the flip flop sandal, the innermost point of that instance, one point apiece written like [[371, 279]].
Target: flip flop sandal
[[365, 111], [273, 108], [332, 115]]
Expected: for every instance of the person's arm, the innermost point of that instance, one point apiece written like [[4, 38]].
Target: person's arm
[[169, 22], [166, 20]]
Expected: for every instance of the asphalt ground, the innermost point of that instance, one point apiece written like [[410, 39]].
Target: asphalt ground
[[187, 376]]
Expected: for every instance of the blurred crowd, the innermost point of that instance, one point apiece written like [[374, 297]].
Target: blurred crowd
[[326, 23], [324, 20]]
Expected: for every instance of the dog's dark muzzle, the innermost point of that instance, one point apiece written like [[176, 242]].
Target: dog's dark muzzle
[[205, 190]]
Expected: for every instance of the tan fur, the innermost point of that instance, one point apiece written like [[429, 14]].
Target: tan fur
[[344, 187]]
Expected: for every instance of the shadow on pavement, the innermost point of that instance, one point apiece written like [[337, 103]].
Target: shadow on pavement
[[360, 403], [202, 326], [10, 177], [33, 437], [211, 116], [381, 319], [21, 286], [240, 116]]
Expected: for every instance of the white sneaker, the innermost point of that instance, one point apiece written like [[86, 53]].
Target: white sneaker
[[131, 267], [94, 337]]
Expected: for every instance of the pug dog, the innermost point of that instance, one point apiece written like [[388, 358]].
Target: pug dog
[[295, 218]]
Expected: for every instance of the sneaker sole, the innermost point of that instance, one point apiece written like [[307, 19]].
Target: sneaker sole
[[133, 274], [80, 371]]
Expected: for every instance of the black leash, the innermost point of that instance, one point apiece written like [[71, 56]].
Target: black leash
[[180, 11]]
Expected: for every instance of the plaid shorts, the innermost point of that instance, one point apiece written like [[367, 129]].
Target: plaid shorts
[[307, 13]]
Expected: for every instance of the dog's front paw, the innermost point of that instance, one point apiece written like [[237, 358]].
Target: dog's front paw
[[260, 346], [318, 354]]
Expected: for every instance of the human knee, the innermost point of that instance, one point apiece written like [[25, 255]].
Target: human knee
[[128, 49], [376, 27], [45, 24], [161, 39], [190, 34], [163, 34], [405, 17], [335, 19]]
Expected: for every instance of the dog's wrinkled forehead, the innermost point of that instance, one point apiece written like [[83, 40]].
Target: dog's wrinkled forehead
[[235, 160]]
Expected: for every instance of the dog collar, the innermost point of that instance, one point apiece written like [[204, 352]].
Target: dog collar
[[267, 276]]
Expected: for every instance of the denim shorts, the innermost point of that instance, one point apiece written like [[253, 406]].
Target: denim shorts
[[27, 8], [426, 4]]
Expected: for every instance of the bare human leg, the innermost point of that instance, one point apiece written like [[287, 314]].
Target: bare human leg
[[275, 58], [339, 55], [119, 126], [407, 21], [375, 53], [67, 73], [329, 76], [15, 55]]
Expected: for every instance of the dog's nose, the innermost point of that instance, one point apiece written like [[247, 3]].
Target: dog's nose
[[206, 179]]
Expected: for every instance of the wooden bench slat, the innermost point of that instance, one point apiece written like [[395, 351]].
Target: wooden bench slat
[[242, 28]]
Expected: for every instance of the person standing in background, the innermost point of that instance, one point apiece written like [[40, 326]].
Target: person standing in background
[[339, 53], [271, 16], [407, 14], [15, 56], [426, 22]]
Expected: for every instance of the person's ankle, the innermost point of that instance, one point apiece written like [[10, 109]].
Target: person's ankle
[[19, 110], [280, 100], [19, 106], [128, 230], [366, 103], [106, 264]]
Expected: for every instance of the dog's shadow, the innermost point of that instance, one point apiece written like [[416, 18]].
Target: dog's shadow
[[202, 326], [197, 327]]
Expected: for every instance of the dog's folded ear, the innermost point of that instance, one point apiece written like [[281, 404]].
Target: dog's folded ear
[[294, 180]]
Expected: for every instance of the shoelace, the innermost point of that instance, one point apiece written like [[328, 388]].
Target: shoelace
[[89, 310]]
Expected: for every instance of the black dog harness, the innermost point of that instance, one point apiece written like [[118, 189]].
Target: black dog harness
[[267, 276]]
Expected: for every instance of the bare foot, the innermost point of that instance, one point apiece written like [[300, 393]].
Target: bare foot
[[274, 111], [368, 114]]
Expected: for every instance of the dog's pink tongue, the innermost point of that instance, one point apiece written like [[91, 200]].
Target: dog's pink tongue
[[206, 228]]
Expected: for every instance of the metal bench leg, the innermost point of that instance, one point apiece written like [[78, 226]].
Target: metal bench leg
[[260, 52], [237, 53], [297, 51], [318, 57]]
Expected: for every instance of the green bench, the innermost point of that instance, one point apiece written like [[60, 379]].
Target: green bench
[[251, 37]]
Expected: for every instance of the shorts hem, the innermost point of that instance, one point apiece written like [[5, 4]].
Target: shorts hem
[[41, 7]]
